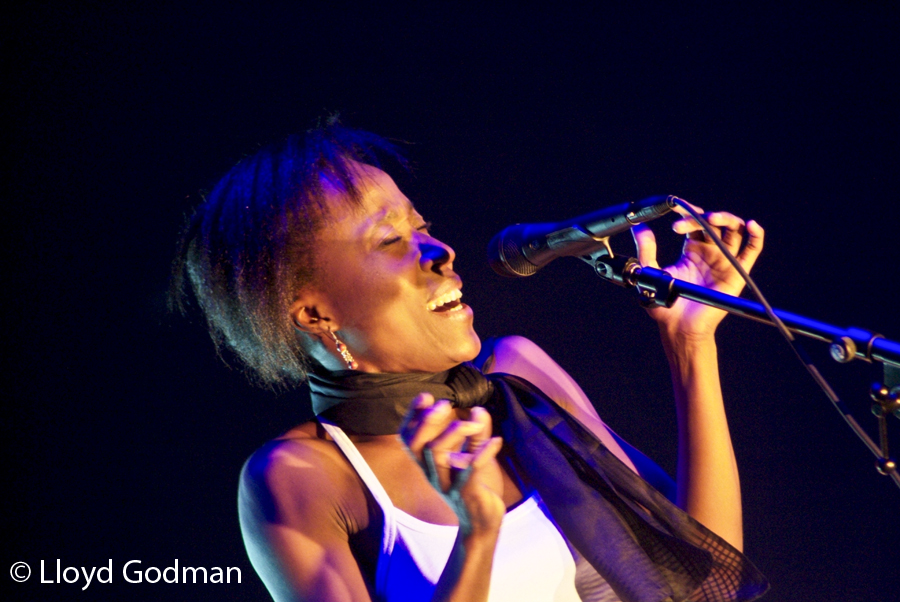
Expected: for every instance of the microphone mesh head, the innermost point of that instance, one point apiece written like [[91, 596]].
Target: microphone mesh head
[[507, 260]]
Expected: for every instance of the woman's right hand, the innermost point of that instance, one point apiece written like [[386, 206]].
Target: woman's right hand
[[458, 458]]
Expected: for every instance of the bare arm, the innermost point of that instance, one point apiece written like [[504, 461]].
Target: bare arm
[[708, 483], [296, 515]]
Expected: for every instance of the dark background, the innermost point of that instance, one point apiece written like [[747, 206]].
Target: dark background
[[124, 433]]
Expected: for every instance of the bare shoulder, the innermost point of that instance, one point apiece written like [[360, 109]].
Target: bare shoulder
[[509, 350], [295, 479], [300, 503], [522, 357]]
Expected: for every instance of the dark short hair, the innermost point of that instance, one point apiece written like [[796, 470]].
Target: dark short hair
[[247, 250]]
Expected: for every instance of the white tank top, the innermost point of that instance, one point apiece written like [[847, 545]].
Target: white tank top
[[531, 561]]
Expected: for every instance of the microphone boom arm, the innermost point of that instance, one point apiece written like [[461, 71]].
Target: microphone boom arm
[[656, 287]]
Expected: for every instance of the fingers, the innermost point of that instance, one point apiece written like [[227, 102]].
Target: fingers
[[452, 448], [645, 241], [487, 452], [476, 443], [684, 212], [729, 227], [424, 421], [482, 505], [444, 445], [755, 238], [480, 416], [719, 219]]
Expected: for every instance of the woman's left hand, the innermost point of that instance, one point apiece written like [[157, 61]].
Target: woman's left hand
[[458, 459], [702, 263]]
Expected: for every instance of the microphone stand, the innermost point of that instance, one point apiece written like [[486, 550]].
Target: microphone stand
[[656, 287]]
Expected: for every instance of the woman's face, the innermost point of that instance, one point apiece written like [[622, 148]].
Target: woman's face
[[389, 286]]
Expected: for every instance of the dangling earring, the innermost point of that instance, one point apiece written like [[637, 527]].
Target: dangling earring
[[345, 353]]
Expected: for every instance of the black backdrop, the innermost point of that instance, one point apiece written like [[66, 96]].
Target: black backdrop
[[123, 432]]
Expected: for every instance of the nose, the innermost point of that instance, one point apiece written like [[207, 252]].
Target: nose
[[435, 255]]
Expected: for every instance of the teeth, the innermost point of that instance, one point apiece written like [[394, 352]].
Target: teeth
[[444, 299]]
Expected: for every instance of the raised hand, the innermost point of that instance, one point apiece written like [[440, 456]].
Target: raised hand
[[458, 457], [702, 263]]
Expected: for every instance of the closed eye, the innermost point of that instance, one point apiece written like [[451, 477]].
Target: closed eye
[[425, 227]]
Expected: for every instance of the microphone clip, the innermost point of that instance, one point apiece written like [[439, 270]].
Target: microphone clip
[[654, 287]]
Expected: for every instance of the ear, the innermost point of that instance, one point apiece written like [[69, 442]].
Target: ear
[[310, 315]]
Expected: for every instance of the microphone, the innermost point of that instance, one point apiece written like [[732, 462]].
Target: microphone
[[523, 249]]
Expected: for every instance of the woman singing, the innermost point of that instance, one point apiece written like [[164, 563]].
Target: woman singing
[[425, 476]]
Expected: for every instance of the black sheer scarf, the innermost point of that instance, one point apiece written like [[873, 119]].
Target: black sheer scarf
[[646, 548]]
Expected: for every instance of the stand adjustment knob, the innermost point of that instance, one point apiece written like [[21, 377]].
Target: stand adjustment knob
[[843, 350], [885, 466]]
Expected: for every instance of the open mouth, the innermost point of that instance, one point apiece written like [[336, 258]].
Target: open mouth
[[447, 302]]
